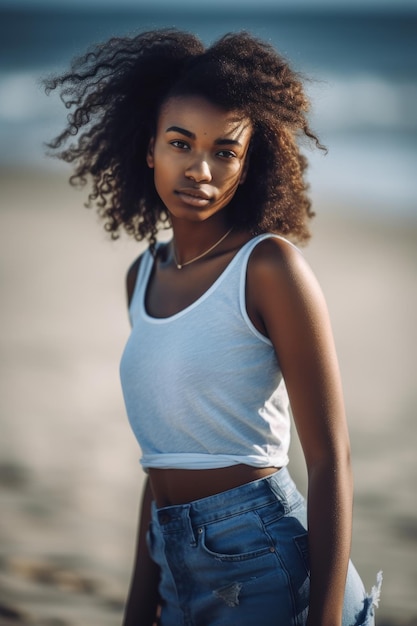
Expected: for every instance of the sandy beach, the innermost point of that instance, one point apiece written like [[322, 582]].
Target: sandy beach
[[69, 473]]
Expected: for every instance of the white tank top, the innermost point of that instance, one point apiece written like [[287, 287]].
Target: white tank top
[[203, 388]]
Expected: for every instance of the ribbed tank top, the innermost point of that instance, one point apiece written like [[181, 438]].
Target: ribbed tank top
[[203, 388]]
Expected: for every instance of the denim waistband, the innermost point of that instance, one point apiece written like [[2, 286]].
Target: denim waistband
[[278, 486]]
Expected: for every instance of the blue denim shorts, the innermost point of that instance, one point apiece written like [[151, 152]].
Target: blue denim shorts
[[240, 558]]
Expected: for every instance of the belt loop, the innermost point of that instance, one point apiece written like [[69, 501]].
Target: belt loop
[[188, 525], [277, 489]]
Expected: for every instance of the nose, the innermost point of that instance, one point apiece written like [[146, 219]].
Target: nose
[[199, 171]]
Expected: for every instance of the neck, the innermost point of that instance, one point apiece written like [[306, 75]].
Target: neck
[[190, 240]]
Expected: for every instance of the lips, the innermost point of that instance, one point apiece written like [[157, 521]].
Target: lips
[[193, 197], [194, 193]]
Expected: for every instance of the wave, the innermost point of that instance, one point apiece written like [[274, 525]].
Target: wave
[[363, 101], [368, 123]]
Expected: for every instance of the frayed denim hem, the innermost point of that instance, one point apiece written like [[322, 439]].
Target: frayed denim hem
[[371, 602]]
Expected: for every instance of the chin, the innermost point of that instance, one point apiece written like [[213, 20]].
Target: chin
[[193, 214]]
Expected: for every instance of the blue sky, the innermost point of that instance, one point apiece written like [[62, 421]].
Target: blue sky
[[375, 4]]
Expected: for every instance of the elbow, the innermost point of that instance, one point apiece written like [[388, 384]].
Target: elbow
[[335, 460]]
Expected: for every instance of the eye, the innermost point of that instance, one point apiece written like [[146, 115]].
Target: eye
[[178, 143], [227, 154]]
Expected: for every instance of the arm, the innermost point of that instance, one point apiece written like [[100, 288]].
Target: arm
[[141, 606], [142, 603], [287, 305]]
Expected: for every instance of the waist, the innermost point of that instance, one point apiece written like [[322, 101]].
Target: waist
[[173, 487], [278, 489]]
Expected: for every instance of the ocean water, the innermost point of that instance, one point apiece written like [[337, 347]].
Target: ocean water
[[363, 70]]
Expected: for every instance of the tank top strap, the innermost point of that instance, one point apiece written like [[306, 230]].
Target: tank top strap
[[241, 273], [249, 247], [145, 268]]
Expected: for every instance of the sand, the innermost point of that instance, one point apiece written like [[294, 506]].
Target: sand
[[69, 473]]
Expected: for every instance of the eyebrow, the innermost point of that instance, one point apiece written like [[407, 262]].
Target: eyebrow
[[188, 133]]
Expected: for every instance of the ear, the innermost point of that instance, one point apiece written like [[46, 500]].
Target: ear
[[149, 153]]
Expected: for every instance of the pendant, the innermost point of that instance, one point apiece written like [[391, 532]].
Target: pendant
[[179, 267]]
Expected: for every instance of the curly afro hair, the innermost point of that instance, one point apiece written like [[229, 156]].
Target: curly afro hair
[[115, 92]]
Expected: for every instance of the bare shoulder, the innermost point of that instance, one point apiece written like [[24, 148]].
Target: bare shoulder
[[278, 260], [280, 279]]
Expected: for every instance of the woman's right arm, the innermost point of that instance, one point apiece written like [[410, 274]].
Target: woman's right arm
[[142, 602]]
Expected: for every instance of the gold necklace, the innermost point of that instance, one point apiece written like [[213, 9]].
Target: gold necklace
[[200, 256]]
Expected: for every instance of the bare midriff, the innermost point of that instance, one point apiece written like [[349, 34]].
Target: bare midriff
[[181, 486]]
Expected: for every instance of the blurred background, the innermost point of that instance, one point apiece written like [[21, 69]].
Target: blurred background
[[69, 474]]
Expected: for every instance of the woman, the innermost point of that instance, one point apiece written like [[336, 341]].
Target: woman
[[229, 329]]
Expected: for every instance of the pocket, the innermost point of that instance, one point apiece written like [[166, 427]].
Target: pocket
[[238, 538], [301, 542]]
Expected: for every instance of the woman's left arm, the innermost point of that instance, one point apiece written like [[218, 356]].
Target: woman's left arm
[[288, 306]]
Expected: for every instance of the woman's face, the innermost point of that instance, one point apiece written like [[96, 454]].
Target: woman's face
[[199, 156]]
